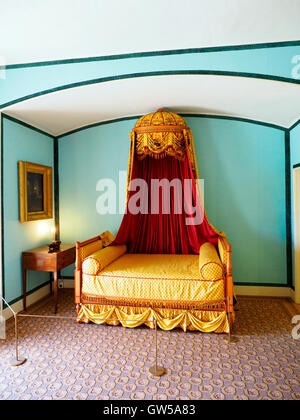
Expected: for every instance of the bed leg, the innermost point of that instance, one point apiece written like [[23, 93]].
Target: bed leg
[[229, 318]]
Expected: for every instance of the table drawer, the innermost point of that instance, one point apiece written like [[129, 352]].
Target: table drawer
[[66, 258], [39, 263]]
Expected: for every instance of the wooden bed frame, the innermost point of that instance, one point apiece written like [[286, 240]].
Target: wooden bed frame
[[226, 260]]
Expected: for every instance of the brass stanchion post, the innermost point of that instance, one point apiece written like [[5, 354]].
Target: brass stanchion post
[[156, 370], [17, 361]]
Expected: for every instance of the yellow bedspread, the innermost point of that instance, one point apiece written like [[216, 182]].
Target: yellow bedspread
[[153, 280]]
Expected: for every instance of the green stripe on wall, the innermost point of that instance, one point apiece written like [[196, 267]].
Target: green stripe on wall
[[15, 120], [2, 212], [221, 117], [154, 53], [288, 200], [152, 74]]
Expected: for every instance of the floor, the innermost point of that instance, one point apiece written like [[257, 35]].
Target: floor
[[76, 361]]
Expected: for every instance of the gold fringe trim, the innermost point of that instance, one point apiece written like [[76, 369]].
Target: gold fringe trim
[[217, 305]]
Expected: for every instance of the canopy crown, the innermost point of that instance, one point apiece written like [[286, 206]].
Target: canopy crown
[[160, 120]]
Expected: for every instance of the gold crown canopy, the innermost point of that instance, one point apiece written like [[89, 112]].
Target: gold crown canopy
[[161, 133], [160, 119]]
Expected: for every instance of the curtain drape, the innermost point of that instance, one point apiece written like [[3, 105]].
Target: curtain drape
[[162, 233]]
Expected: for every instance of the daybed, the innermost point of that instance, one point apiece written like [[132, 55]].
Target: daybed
[[167, 261], [187, 291]]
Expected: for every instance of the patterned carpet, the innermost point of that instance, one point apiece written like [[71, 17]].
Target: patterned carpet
[[74, 361]]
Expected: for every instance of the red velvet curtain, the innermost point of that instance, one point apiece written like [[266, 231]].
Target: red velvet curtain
[[164, 233]]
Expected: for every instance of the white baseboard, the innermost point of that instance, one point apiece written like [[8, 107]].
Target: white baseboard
[[293, 295], [266, 291], [35, 297], [68, 283], [239, 290], [31, 299]]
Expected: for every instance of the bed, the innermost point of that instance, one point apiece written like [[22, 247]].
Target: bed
[[192, 292], [167, 262]]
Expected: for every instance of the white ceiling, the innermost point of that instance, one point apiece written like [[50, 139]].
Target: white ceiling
[[263, 100], [35, 30]]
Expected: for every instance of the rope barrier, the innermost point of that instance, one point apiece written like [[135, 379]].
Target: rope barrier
[[155, 370]]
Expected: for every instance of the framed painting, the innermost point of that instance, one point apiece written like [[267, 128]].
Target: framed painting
[[35, 192]]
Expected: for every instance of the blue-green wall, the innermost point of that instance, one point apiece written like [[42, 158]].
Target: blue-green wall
[[244, 172], [243, 168], [84, 158], [21, 143], [295, 160], [295, 145]]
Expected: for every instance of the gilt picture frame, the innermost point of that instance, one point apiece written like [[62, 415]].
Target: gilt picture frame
[[35, 192]]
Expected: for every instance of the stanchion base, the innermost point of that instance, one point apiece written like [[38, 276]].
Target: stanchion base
[[157, 370], [233, 339], [19, 362]]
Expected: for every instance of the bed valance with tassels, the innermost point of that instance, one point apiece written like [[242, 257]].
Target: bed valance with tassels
[[160, 134]]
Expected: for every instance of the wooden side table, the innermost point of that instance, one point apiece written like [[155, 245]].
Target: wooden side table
[[39, 259]]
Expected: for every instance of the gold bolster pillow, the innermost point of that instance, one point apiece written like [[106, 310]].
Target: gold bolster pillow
[[210, 266], [100, 259]]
